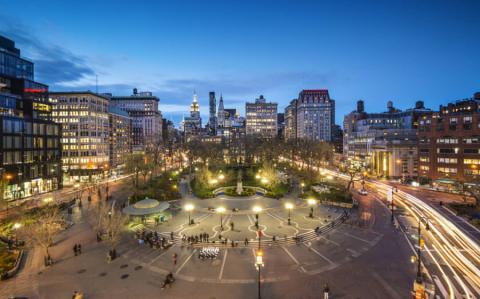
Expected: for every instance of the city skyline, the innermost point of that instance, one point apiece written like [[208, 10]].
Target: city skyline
[[418, 53]]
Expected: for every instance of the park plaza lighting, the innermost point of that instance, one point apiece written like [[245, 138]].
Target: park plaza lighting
[[302, 184], [48, 199], [8, 176], [288, 206], [329, 177], [196, 168], [17, 225], [221, 176], [213, 181], [257, 209], [221, 210], [264, 180], [189, 207], [257, 176], [311, 201]]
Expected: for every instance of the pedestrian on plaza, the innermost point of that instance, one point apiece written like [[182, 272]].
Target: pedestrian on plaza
[[245, 242], [174, 256], [171, 236], [274, 238], [79, 247], [75, 249], [74, 296]]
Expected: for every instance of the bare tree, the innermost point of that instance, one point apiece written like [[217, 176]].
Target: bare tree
[[352, 169], [97, 217], [48, 222], [114, 227]]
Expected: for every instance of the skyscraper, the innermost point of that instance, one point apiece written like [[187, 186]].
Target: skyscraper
[[193, 123], [221, 114], [212, 122]]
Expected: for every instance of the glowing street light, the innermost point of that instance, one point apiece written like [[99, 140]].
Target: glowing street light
[[17, 225], [311, 202], [256, 209], [213, 181], [264, 180], [221, 210], [221, 177], [189, 208], [289, 207], [257, 176]]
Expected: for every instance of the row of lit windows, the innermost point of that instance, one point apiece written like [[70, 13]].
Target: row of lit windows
[[447, 160], [446, 170], [471, 161], [447, 140]]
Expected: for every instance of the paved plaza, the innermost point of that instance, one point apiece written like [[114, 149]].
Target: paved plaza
[[362, 255]]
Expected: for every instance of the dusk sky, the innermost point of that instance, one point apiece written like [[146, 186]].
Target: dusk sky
[[373, 50]]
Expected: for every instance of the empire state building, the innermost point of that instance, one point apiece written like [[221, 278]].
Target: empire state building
[[193, 123]]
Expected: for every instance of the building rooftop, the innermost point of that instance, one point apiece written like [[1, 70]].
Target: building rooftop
[[79, 92]]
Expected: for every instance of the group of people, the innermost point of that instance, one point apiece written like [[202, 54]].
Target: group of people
[[77, 249], [153, 239], [203, 237]]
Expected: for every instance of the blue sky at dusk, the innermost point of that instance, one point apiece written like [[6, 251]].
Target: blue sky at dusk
[[373, 50]]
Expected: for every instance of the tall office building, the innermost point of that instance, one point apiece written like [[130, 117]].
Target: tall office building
[[142, 107], [30, 156], [315, 115], [192, 125], [221, 114], [120, 133], [261, 118], [290, 116], [212, 121], [85, 134], [311, 116]]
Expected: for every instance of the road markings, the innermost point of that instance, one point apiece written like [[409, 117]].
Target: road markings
[[328, 240], [460, 282], [185, 262], [440, 286], [223, 265], [358, 238], [320, 255], [294, 259]]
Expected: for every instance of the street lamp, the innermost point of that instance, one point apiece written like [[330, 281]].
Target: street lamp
[[189, 208], [221, 210], [418, 285], [259, 264], [311, 202], [289, 207]]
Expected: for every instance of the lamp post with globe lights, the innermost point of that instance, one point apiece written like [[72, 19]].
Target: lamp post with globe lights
[[221, 210], [189, 208], [289, 207], [311, 202]]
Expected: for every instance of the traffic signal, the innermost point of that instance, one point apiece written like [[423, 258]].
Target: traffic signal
[[422, 243]]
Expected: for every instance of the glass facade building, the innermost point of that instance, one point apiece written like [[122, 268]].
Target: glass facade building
[[30, 157]]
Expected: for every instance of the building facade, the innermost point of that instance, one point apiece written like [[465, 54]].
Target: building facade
[[142, 107], [120, 134], [449, 143], [192, 125], [261, 118], [212, 121], [387, 141], [30, 153], [85, 134], [311, 116]]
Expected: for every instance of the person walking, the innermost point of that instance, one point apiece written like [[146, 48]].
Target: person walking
[[75, 249], [79, 248]]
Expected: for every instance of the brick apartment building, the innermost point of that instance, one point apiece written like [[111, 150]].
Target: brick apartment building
[[449, 143]]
